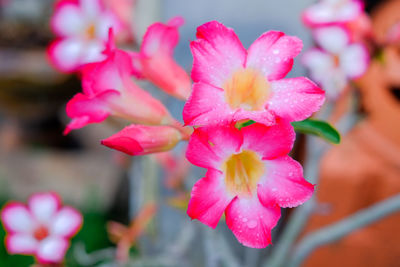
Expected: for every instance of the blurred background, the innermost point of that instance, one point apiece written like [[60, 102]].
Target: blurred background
[[106, 185]]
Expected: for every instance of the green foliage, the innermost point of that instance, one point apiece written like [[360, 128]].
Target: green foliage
[[318, 128]]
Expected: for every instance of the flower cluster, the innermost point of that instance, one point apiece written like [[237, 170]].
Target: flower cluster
[[250, 175], [42, 228], [340, 29], [81, 27], [109, 90]]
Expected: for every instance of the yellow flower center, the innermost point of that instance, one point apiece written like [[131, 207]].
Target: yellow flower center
[[247, 89], [242, 173], [91, 31]]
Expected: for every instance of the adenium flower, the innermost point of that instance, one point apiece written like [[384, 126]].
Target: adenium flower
[[109, 90], [249, 178], [82, 29], [155, 61], [138, 140], [338, 61], [42, 228], [234, 84], [124, 10], [328, 12]]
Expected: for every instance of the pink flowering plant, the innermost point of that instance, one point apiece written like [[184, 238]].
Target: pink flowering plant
[[42, 228], [341, 31], [239, 119]]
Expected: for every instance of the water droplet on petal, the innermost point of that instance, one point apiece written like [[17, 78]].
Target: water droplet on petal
[[252, 224], [244, 220]]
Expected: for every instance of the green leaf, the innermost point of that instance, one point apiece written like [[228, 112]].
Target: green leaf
[[318, 128], [240, 125]]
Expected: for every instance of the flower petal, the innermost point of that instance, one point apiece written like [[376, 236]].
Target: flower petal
[[251, 222], [84, 110], [295, 99], [208, 146], [16, 218], [269, 142], [65, 54], [206, 105], [319, 62], [273, 54], [217, 53], [161, 38], [52, 250], [332, 39], [209, 199], [66, 222], [67, 19], [44, 206], [284, 184], [354, 60], [24, 244]]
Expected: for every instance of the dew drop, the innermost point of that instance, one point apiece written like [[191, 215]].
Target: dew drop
[[252, 224], [244, 220], [274, 189]]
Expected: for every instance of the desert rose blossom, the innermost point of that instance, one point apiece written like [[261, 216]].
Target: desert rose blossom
[[124, 10], [81, 27], [329, 12], [155, 61], [138, 140], [109, 90], [234, 84], [42, 228], [249, 178], [336, 61]]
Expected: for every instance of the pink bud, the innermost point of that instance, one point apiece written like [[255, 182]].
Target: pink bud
[[140, 140]]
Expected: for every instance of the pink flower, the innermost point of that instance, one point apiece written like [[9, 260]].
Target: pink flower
[[234, 84], [137, 140], [43, 228], [249, 177], [155, 61], [338, 61], [109, 90], [328, 12], [82, 29]]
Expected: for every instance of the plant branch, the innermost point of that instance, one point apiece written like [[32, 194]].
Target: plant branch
[[338, 230]]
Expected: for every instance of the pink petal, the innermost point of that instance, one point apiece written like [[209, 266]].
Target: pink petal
[[205, 106], [84, 110], [354, 60], [269, 142], [67, 19], [16, 218], [24, 244], [140, 139], [251, 222], [208, 146], [284, 184], [295, 99], [262, 116], [65, 54], [332, 39], [52, 250], [66, 223], [329, 12], [217, 53], [273, 54], [161, 38], [209, 199], [320, 63], [44, 206]]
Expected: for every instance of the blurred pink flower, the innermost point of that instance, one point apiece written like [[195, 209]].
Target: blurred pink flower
[[138, 140], [337, 61], [249, 177], [234, 84], [42, 228], [82, 28], [328, 12], [155, 61], [124, 10], [109, 90]]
